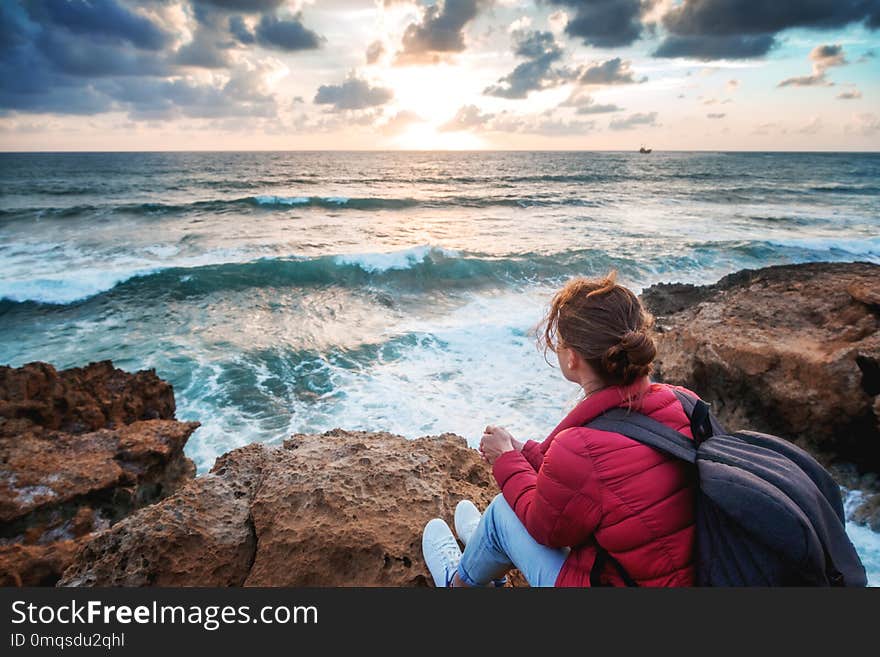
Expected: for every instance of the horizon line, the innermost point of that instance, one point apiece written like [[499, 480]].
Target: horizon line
[[438, 150]]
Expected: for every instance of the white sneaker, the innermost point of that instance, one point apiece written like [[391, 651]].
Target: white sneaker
[[467, 517], [441, 552]]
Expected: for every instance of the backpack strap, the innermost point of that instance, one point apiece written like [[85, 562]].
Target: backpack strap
[[703, 423], [647, 431]]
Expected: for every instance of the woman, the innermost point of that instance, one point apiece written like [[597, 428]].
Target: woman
[[583, 502]]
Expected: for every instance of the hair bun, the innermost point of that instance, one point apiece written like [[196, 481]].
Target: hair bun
[[632, 357], [639, 347]]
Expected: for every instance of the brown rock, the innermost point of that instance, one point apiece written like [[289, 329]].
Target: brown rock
[[337, 509], [793, 350], [79, 449], [83, 398], [868, 512]]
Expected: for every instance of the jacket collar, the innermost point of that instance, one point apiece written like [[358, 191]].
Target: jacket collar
[[601, 401]]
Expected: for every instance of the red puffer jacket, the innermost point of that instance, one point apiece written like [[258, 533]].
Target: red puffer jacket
[[582, 486]]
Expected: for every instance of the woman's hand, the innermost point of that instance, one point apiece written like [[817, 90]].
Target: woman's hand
[[495, 442]]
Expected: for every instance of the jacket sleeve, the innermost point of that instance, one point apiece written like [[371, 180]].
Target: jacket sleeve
[[559, 504], [533, 453]]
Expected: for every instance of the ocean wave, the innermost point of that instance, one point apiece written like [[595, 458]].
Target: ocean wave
[[858, 190], [268, 202], [415, 269]]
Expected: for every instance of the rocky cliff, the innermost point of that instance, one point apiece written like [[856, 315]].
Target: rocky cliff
[[337, 509], [792, 350], [79, 450]]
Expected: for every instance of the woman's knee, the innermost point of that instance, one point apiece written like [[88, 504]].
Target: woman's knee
[[499, 511]]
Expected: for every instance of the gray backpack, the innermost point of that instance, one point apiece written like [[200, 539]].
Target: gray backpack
[[767, 514]]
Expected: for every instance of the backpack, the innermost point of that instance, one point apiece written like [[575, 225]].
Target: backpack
[[767, 513]]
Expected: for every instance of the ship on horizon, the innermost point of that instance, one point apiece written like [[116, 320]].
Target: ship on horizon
[[642, 149]]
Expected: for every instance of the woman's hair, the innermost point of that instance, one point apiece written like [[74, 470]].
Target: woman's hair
[[606, 324]]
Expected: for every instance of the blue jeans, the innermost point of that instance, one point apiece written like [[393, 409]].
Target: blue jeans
[[502, 542]]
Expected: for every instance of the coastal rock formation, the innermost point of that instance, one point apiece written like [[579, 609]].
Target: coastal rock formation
[[792, 350], [337, 509], [79, 449]]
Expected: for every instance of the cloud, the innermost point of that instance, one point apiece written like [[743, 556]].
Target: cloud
[[375, 51], [241, 31], [105, 19], [648, 119], [468, 117], [244, 93], [400, 122], [823, 58], [542, 125], [107, 57], [612, 71], [716, 47], [741, 29], [251, 6], [353, 94], [854, 94], [716, 115], [812, 127], [536, 73], [866, 124], [440, 31], [604, 23], [290, 35], [208, 49], [586, 104]]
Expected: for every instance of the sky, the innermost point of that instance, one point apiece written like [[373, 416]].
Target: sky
[[100, 75]]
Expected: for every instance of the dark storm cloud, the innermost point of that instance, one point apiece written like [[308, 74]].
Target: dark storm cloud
[[273, 32], [542, 52], [729, 17], [240, 31], [634, 121], [87, 58], [245, 6], [206, 50], [168, 99], [100, 18], [604, 23], [716, 47], [441, 30], [353, 94], [109, 63], [739, 29]]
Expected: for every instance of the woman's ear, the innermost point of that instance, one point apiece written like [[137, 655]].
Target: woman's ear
[[574, 360]]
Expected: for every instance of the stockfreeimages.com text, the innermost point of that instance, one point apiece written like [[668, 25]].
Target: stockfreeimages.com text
[[210, 617]]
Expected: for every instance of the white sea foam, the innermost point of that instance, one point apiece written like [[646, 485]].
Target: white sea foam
[[867, 246], [63, 288], [267, 199], [866, 541], [75, 274], [404, 259]]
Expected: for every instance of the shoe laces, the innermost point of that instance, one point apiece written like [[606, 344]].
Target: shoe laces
[[449, 550]]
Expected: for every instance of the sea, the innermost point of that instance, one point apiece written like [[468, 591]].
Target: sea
[[296, 292]]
